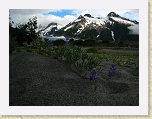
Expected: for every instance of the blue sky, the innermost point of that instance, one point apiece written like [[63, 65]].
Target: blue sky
[[61, 13], [64, 16]]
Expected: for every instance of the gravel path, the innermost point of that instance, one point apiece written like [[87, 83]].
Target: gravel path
[[36, 80]]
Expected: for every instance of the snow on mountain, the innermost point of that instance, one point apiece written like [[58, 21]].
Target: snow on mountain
[[106, 20], [68, 27], [122, 21], [94, 20], [112, 33], [50, 29], [111, 27], [77, 20]]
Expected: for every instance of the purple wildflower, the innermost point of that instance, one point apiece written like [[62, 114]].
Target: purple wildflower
[[67, 41], [93, 75], [49, 42], [113, 67], [112, 70], [112, 73]]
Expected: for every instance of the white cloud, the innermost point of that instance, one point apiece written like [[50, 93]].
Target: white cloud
[[132, 14], [105, 12], [23, 15], [45, 20], [31, 11], [134, 29]]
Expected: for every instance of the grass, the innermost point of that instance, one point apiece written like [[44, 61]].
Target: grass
[[118, 57], [85, 58]]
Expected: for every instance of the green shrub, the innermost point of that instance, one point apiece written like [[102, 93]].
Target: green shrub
[[42, 43], [121, 44], [71, 40], [134, 45], [88, 42], [12, 44], [78, 42], [92, 50], [105, 41], [98, 43], [59, 42]]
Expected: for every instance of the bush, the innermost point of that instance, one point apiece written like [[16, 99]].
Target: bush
[[106, 41], [59, 42], [25, 32], [98, 43], [42, 43], [121, 44], [12, 44], [134, 45], [71, 41], [89, 42], [78, 42], [91, 50]]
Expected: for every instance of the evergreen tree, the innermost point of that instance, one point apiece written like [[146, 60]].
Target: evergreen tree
[[31, 28], [25, 32]]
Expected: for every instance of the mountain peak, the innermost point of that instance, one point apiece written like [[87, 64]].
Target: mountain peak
[[50, 29], [113, 14], [88, 15], [86, 26], [80, 17]]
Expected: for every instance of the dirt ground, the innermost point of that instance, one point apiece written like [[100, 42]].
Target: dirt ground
[[36, 80]]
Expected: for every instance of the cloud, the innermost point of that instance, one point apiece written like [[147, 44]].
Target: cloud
[[131, 14], [44, 21], [134, 29], [31, 11], [44, 16], [22, 16]]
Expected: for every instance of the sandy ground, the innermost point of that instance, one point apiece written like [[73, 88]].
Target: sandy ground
[[36, 80]]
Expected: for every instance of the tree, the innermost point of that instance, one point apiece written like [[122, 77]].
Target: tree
[[31, 28], [25, 32], [12, 39]]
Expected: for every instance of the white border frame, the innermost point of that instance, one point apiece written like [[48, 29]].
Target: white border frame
[[142, 109]]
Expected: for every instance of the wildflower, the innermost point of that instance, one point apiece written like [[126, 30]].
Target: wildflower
[[67, 41], [112, 70], [113, 67], [93, 75], [49, 42]]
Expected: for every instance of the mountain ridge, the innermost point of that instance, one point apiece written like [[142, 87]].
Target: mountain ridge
[[113, 27]]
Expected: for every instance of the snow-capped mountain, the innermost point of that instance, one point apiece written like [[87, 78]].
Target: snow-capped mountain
[[112, 27], [50, 29], [120, 19]]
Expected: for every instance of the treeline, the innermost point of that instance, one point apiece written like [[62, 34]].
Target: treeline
[[23, 32], [90, 42]]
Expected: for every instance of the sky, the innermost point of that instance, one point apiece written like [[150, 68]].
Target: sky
[[64, 16]]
